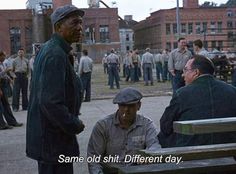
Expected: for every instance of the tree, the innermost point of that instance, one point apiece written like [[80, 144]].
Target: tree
[[209, 4]]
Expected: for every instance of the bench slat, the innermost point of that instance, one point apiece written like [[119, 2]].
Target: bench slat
[[203, 126], [195, 152]]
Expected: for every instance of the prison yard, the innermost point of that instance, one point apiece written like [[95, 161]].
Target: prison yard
[[101, 89]]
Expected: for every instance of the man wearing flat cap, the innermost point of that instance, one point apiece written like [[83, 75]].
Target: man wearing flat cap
[[52, 121], [122, 133]]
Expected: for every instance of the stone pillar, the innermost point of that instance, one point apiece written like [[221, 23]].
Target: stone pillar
[[190, 4], [58, 3]]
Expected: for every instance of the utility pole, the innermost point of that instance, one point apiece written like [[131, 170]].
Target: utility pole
[[178, 19]]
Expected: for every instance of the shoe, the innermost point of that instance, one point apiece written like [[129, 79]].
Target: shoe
[[16, 124], [6, 127], [79, 113]]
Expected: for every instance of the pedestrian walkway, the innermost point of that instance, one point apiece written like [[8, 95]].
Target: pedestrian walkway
[[12, 142]]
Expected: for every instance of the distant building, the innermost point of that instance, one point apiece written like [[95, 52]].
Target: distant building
[[126, 33], [28, 27], [39, 5], [213, 25]]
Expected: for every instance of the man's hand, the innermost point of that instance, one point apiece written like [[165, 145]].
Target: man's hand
[[172, 72], [81, 127]]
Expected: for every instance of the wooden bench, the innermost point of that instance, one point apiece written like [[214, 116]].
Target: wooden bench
[[195, 159], [205, 126]]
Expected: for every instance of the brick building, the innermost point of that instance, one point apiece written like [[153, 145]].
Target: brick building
[[213, 25], [23, 28]]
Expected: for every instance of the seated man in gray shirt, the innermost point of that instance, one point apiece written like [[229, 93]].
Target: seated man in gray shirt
[[122, 133]]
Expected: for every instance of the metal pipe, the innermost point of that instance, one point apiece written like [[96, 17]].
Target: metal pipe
[[178, 19]]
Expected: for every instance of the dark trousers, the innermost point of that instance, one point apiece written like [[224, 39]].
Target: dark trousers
[[177, 80], [135, 73], [113, 75], [46, 168], [165, 70], [159, 71], [5, 109], [86, 80], [20, 85], [147, 73], [128, 72]]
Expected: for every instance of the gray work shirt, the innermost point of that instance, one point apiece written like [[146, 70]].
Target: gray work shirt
[[108, 138], [165, 57], [158, 59], [20, 65], [113, 58], [85, 64], [178, 59], [147, 58], [203, 52]]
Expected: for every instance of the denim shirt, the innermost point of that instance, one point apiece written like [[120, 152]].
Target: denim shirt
[[52, 120]]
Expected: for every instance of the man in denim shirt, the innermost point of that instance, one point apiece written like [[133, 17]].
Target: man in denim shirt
[[203, 97], [123, 132], [52, 122]]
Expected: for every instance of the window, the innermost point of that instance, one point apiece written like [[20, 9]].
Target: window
[[89, 34], [220, 44], [15, 35], [229, 24], [175, 28], [205, 44], [204, 27], [213, 44], [190, 28], [230, 35], [183, 28], [168, 30], [127, 48], [168, 45], [127, 37], [229, 13], [219, 27], [175, 45], [104, 33], [213, 27], [198, 28]]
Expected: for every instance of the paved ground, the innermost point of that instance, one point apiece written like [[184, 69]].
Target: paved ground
[[12, 142]]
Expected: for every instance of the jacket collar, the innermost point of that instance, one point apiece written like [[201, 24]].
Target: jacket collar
[[61, 41], [203, 78]]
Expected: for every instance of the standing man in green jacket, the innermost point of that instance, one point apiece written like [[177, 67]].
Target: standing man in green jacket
[[52, 122]]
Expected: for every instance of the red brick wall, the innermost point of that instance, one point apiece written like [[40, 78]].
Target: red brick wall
[[13, 18]]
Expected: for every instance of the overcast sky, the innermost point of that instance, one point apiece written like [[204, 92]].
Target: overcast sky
[[140, 9]]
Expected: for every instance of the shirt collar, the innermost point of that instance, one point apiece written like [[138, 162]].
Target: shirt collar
[[138, 121]]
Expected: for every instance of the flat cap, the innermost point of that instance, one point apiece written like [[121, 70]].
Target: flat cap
[[63, 11], [128, 96]]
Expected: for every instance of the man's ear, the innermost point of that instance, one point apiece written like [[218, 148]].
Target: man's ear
[[198, 72]]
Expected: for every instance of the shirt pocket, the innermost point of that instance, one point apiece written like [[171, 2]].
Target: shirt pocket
[[138, 142]]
